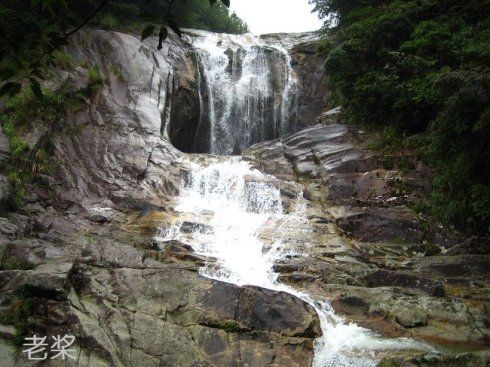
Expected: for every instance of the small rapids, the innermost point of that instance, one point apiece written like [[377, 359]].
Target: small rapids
[[232, 207]]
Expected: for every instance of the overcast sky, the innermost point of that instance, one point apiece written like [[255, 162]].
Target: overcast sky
[[272, 16]]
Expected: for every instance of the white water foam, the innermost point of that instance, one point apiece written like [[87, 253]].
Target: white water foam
[[232, 204], [242, 101]]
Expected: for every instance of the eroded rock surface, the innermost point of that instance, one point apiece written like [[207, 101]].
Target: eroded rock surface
[[382, 264], [77, 256]]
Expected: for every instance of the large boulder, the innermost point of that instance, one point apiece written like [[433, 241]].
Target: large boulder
[[121, 147]]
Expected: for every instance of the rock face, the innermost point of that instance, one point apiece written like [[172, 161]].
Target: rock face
[[72, 262], [315, 90], [382, 264], [125, 308], [4, 148], [121, 147], [78, 255], [250, 89]]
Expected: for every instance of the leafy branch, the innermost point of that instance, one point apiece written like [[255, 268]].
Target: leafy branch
[[169, 22]]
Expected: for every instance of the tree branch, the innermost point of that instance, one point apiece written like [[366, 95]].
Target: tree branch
[[88, 19], [48, 52]]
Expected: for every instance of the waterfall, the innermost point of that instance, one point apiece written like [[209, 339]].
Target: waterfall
[[247, 92], [233, 209]]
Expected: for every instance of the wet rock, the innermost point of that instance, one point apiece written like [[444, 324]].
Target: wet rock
[[368, 249], [410, 317], [387, 278], [477, 359], [315, 95], [64, 199], [5, 191], [123, 310], [4, 148], [97, 217], [49, 281], [176, 246], [7, 332], [474, 267], [261, 309], [7, 353], [374, 224], [7, 228], [350, 305], [297, 278], [190, 227], [332, 116]]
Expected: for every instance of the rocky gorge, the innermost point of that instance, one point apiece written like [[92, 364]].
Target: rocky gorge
[[154, 246]]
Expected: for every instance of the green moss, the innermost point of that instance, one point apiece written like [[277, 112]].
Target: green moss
[[116, 70], [95, 77], [230, 326], [109, 21], [63, 59]]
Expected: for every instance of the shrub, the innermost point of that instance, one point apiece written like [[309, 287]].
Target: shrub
[[63, 59], [230, 326], [418, 72]]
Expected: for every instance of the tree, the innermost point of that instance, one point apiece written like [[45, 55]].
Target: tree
[[32, 30], [422, 69]]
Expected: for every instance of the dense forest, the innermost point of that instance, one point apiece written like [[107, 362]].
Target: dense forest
[[197, 14], [418, 72]]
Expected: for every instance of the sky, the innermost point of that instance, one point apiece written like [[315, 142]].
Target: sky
[[273, 16]]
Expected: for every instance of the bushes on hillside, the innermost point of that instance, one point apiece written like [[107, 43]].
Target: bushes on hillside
[[422, 67]]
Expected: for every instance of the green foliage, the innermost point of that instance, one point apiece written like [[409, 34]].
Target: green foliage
[[63, 60], [22, 114], [419, 72], [32, 32], [15, 312], [230, 326], [95, 77], [190, 14], [116, 70], [109, 21]]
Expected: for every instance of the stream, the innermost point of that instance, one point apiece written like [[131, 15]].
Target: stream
[[232, 206], [236, 214]]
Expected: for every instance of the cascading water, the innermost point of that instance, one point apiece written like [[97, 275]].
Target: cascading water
[[234, 207], [247, 92]]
